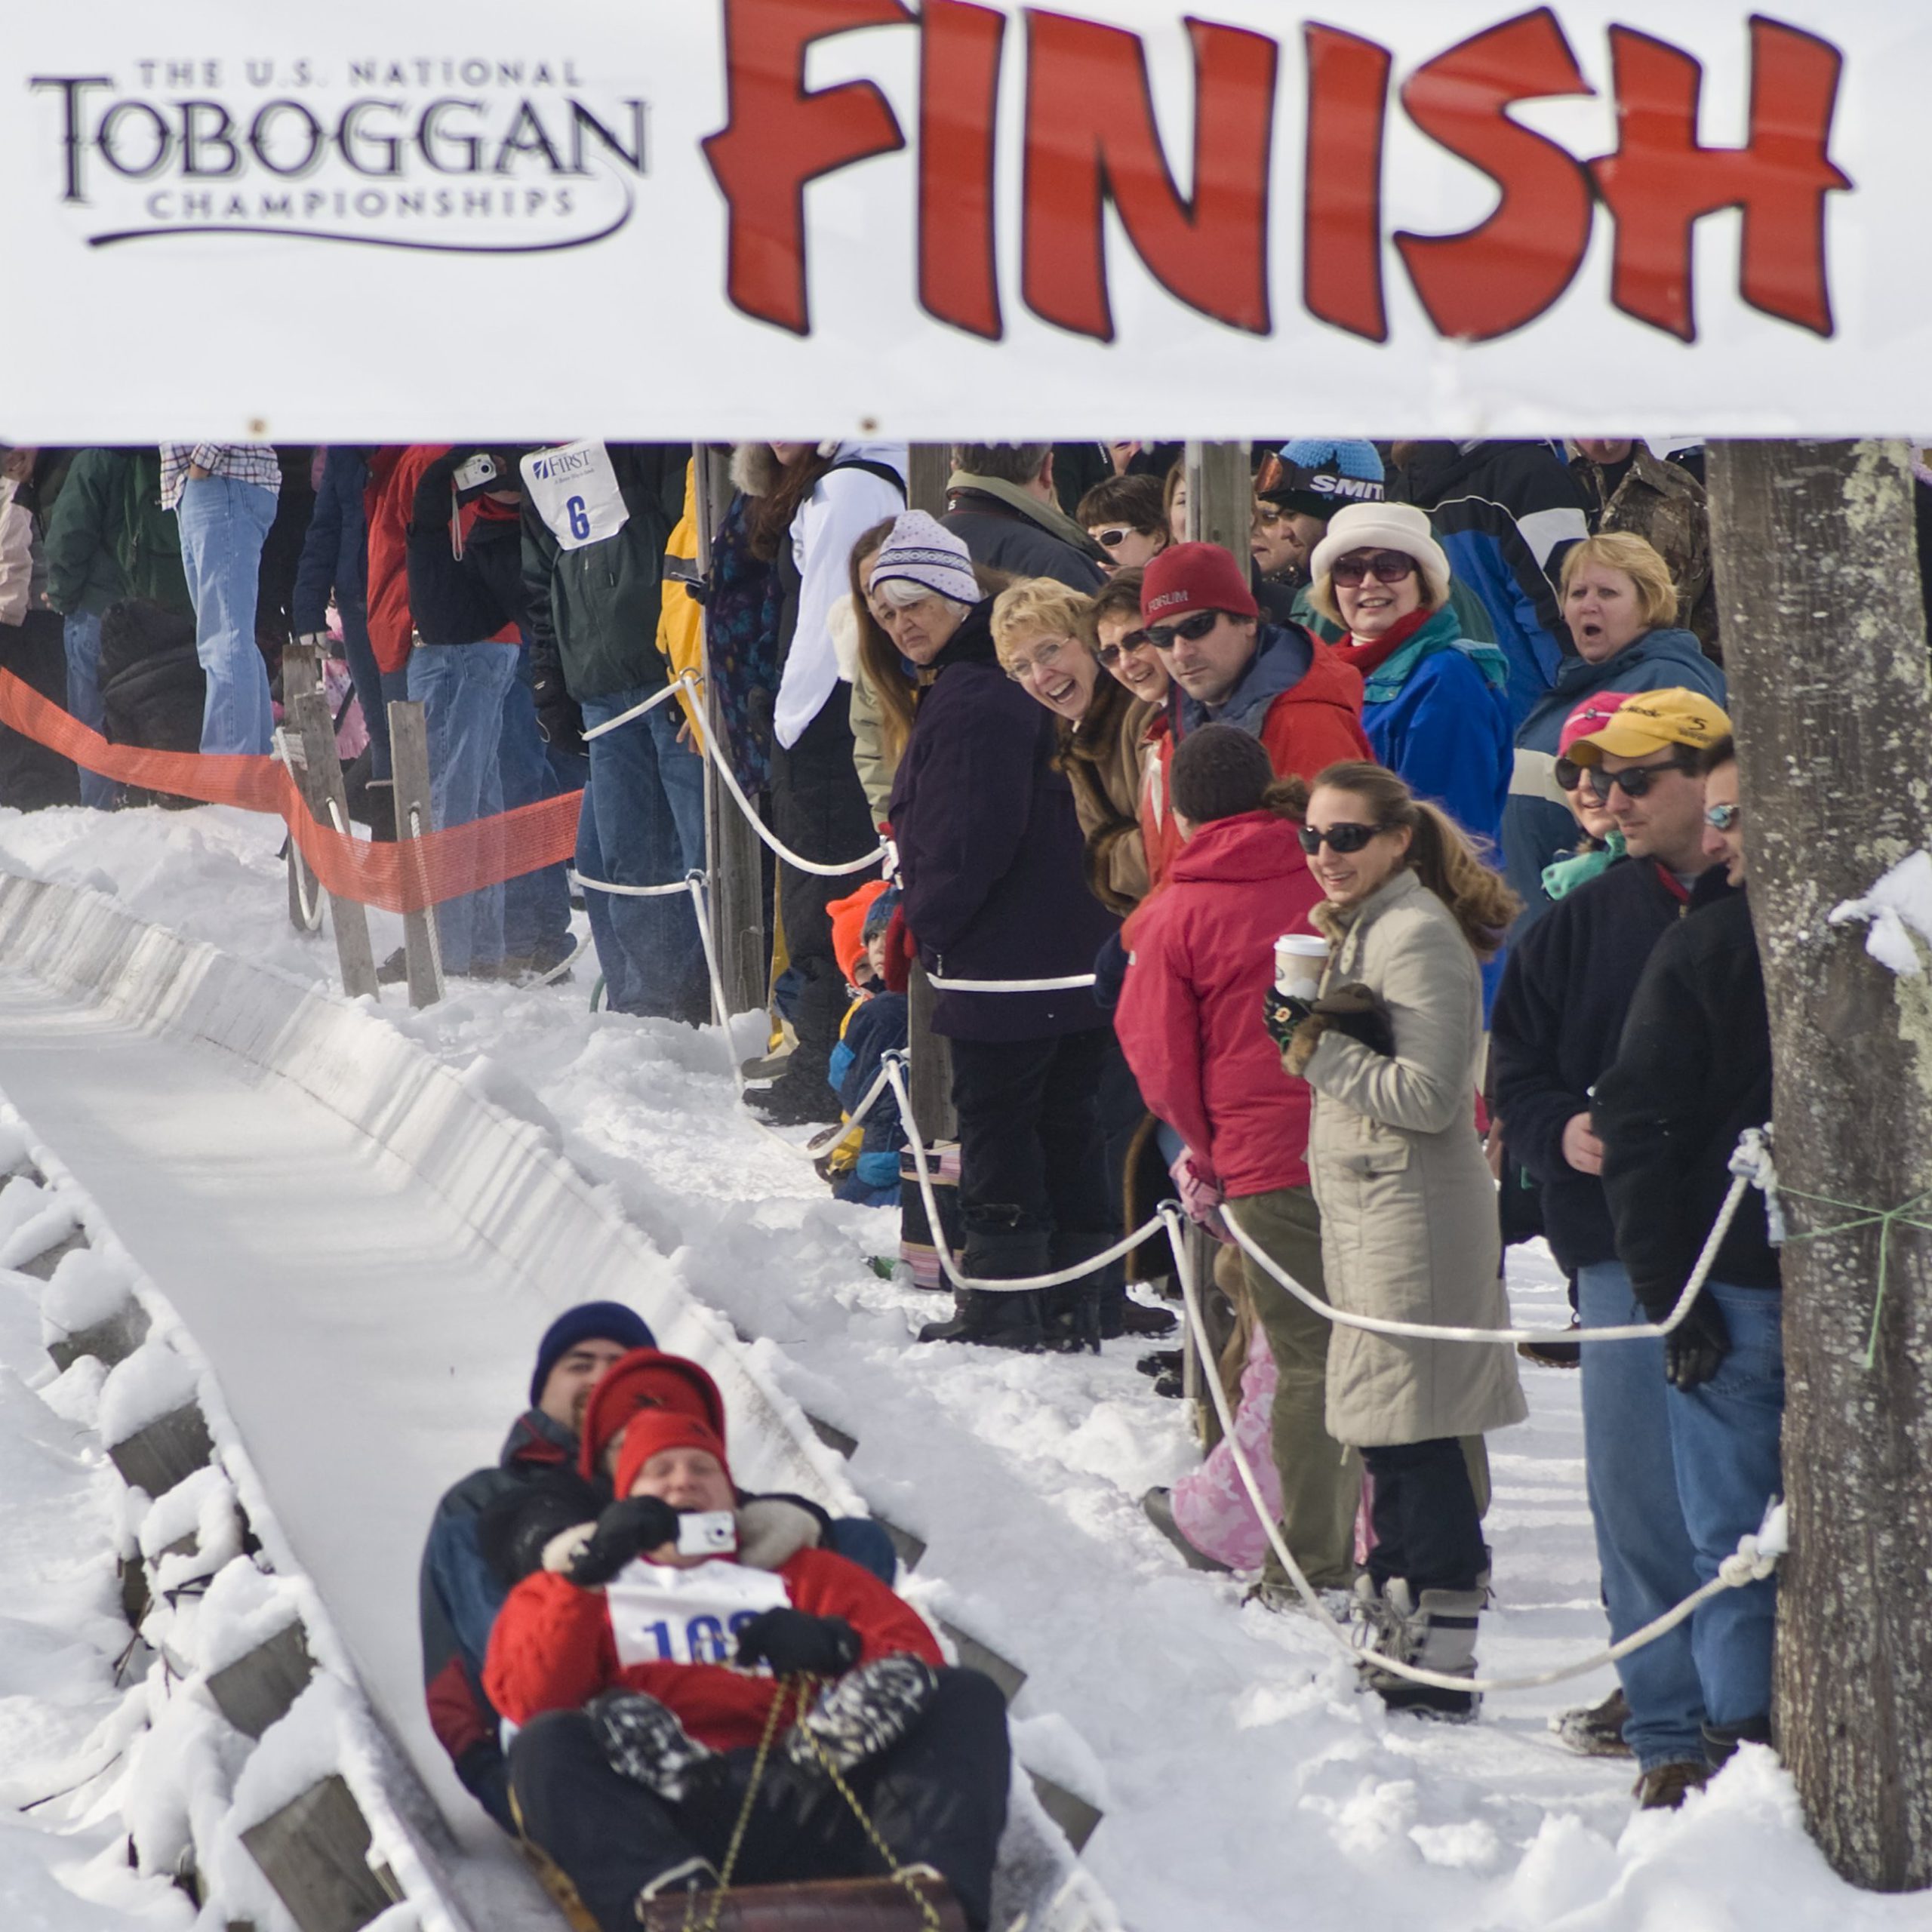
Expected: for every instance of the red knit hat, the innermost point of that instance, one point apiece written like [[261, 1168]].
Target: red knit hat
[[646, 1379], [651, 1431], [1188, 577]]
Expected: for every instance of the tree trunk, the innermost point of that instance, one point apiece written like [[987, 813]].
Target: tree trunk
[[1824, 643]]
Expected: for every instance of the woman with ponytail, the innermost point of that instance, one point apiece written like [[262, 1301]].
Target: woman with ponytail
[[1391, 1046]]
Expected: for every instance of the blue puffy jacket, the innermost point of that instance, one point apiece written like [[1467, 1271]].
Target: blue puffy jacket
[[1436, 713], [1537, 826]]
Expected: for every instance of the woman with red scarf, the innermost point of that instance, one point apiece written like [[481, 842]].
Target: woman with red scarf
[[1432, 701]]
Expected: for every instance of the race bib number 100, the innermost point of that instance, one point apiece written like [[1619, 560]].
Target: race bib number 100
[[575, 490], [660, 1615]]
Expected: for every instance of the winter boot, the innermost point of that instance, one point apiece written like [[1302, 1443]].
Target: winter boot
[[645, 1742], [1435, 1631], [1596, 1730], [1073, 1313], [999, 1318], [1158, 1504], [864, 1714], [1721, 1740]]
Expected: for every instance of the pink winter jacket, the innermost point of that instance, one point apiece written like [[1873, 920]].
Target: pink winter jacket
[[1190, 1015]]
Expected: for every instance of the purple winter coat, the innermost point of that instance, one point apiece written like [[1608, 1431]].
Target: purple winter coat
[[991, 852]]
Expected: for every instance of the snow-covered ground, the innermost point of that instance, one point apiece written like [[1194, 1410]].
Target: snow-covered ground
[[1244, 1783]]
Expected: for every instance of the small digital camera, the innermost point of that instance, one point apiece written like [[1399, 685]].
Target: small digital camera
[[707, 1533]]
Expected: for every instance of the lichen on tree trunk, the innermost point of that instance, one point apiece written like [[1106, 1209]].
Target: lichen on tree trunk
[[1825, 646]]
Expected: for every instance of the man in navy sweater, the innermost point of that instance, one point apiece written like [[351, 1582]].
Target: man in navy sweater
[[1556, 1023]]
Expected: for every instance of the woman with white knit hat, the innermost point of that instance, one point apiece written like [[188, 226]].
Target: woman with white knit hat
[[1432, 700]]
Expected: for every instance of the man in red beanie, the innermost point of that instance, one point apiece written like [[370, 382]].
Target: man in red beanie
[[644, 1664], [1273, 682]]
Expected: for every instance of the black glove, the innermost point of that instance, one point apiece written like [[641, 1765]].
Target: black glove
[[1282, 1013], [797, 1643], [624, 1530], [1355, 1010], [1694, 1350]]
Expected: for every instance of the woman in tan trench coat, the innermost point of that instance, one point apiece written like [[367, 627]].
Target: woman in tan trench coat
[[1409, 1228]]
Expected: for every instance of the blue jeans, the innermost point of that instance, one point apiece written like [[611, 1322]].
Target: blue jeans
[[537, 905], [1723, 1436], [462, 689], [223, 524], [643, 824], [1643, 1547], [82, 635]]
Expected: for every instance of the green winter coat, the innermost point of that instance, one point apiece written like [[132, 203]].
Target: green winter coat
[[81, 538], [596, 608]]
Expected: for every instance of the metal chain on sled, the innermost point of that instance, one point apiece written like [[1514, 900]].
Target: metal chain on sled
[[805, 1686]]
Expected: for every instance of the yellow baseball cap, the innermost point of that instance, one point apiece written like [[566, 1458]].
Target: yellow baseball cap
[[1651, 720]]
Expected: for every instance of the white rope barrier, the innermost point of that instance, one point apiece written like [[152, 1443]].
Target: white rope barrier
[[1756, 1558], [820, 1143], [894, 1067], [1069, 984], [605, 885], [650, 703], [1750, 1163]]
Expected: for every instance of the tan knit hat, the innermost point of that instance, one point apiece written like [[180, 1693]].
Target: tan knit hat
[[1378, 527]]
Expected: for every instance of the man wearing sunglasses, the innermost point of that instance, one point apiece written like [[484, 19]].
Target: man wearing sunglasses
[[1555, 1029], [1693, 1072], [1272, 681]]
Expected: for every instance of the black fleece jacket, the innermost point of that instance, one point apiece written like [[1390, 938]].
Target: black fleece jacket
[[1693, 1072], [1555, 1028]]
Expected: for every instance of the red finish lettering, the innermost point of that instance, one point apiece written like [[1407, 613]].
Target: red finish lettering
[[1341, 250], [1090, 138], [1659, 181], [777, 138], [959, 54], [1508, 270]]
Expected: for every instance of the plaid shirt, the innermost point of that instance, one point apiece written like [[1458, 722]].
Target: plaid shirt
[[247, 462]]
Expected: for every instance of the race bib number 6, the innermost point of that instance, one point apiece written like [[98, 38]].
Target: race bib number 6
[[660, 1615], [575, 492]]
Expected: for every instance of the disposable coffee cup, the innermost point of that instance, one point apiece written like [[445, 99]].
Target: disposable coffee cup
[[1299, 959]]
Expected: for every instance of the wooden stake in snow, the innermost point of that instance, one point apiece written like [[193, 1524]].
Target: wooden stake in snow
[[1824, 643]]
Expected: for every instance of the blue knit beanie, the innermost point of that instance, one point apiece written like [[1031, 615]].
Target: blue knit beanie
[[1317, 475], [589, 1321]]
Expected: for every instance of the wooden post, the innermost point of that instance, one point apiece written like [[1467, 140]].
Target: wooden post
[[409, 762], [301, 670], [734, 863], [1825, 647], [929, 1056], [1220, 497], [327, 797], [315, 1852]]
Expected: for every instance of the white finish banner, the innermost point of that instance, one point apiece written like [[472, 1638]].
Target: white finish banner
[[672, 219]]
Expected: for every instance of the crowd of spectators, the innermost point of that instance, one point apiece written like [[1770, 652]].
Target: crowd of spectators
[[1456, 721]]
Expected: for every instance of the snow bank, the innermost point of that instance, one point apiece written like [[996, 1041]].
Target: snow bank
[[153, 1382], [121, 1741]]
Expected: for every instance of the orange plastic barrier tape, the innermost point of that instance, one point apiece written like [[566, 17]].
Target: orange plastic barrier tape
[[405, 877]]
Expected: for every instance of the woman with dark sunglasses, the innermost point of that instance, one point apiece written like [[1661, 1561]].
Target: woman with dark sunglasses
[[1391, 1048], [1619, 602], [1432, 700]]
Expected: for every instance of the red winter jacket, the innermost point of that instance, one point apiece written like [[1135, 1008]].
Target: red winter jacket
[[553, 1650], [1315, 722], [1189, 1017]]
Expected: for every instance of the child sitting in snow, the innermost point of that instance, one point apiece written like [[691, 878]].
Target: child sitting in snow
[[864, 1167]]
